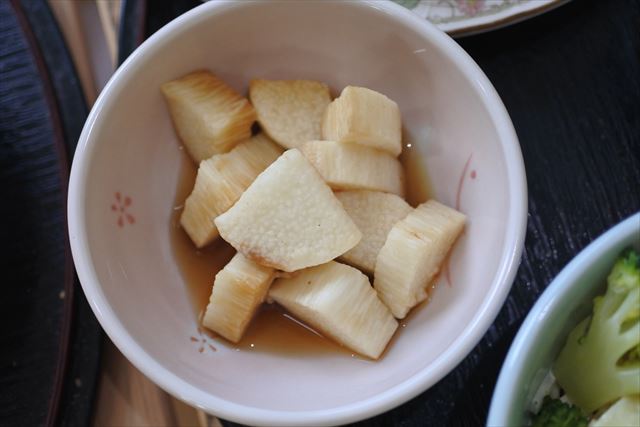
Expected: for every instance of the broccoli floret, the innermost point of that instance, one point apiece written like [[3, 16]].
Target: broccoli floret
[[556, 413], [600, 361], [630, 357]]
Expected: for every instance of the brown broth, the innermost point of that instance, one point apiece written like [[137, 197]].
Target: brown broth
[[417, 184], [272, 330], [198, 266]]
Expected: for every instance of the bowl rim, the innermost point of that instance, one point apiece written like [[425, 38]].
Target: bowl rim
[[388, 399], [551, 300]]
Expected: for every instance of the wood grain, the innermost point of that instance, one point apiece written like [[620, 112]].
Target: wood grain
[[66, 13], [109, 21], [127, 398]]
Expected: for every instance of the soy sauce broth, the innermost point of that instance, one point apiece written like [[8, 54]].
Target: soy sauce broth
[[272, 330]]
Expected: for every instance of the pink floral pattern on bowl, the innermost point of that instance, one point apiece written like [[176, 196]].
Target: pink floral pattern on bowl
[[464, 176], [461, 181], [203, 340], [121, 207]]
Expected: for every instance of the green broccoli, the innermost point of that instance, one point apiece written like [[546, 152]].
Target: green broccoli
[[556, 413], [600, 361]]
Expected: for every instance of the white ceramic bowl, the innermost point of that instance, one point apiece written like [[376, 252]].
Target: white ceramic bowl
[[456, 122], [566, 301]]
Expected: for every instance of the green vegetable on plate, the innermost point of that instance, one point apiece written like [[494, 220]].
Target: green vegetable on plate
[[601, 360], [556, 413]]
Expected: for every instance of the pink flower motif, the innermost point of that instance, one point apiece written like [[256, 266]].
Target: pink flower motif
[[461, 181], [473, 175], [470, 7], [203, 340], [120, 208]]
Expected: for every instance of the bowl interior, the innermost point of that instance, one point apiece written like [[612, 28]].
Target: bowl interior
[[130, 148]]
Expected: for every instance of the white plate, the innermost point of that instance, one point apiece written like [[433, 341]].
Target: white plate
[[465, 17]]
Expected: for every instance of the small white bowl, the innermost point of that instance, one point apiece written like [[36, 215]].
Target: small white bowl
[[125, 173], [566, 301]]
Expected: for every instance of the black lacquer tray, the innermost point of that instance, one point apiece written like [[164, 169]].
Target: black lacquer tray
[[49, 338]]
